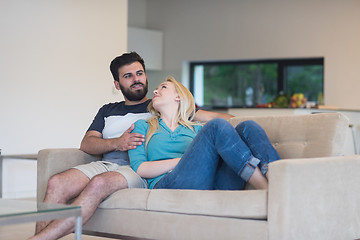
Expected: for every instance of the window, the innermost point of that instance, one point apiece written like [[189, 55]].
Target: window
[[256, 82]]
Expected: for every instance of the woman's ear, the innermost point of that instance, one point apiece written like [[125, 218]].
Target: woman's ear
[[177, 98]]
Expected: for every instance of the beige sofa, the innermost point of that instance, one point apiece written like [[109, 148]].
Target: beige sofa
[[314, 192]]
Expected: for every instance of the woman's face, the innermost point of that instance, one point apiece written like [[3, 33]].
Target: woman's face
[[165, 95]]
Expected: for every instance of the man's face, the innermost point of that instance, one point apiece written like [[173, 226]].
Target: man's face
[[132, 82]]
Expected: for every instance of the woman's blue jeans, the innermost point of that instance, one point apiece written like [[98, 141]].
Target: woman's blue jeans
[[221, 157]]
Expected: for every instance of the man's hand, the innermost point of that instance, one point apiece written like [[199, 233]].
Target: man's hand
[[130, 140], [93, 142]]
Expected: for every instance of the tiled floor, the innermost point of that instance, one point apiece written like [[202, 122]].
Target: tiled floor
[[25, 230]]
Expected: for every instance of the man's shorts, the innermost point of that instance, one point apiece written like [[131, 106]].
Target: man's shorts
[[95, 168]]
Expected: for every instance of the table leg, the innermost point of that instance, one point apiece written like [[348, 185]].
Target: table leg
[[1, 175], [78, 227]]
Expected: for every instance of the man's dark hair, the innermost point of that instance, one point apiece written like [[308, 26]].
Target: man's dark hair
[[125, 59]]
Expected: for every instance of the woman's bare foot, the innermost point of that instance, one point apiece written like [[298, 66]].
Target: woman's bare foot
[[258, 181]]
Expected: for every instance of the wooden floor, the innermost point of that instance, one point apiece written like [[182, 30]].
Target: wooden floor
[[26, 230]]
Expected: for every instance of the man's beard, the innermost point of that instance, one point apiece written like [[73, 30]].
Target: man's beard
[[136, 95]]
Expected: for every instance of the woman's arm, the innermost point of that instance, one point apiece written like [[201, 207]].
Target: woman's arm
[[156, 168], [139, 160]]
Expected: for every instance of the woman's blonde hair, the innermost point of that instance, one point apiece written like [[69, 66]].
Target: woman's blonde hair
[[186, 111]]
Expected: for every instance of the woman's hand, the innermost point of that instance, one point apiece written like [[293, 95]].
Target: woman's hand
[[152, 169]]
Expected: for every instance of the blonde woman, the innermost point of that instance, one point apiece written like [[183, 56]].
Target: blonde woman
[[181, 154]]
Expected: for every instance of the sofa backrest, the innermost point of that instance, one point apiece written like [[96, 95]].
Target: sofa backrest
[[304, 136]]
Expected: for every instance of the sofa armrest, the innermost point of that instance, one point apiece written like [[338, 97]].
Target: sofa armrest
[[316, 198], [52, 161]]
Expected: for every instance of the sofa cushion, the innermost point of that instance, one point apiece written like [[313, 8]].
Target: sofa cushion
[[304, 136], [134, 198], [250, 204], [198, 202]]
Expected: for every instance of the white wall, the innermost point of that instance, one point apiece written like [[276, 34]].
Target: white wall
[[19, 178], [54, 75], [137, 17], [137, 13], [54, 69], [247, 29]]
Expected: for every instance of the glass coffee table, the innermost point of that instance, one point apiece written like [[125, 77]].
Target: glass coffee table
[[19, 211]]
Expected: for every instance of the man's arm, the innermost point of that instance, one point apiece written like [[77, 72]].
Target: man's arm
[[94, 143], [205, 116]]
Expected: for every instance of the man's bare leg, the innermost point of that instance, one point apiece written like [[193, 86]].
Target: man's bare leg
[[100, 187], [62, 188]]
